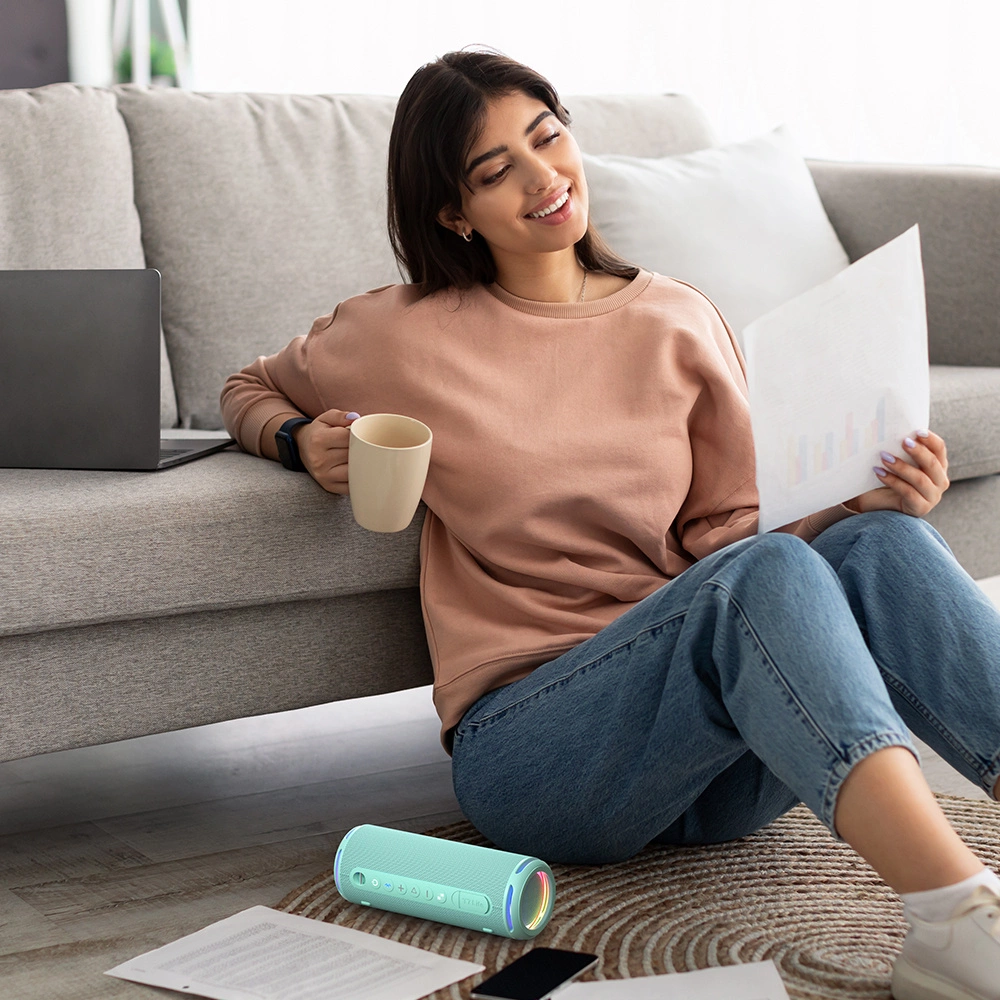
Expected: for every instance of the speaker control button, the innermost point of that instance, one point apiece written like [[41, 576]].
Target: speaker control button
[[441, 897], [471, 902]]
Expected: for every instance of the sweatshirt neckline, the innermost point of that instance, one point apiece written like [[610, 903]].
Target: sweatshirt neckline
[[575, 310]]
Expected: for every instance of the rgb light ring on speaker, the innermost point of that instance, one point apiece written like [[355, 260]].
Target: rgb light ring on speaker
[[340, 854], [529, 899], [536, 905]]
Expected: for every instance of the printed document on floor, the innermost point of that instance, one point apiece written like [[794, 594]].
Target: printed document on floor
[[838, 375], [753, 981], [264, 954]]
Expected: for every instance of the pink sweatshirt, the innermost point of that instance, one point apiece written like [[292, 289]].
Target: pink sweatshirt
[[584, 454]]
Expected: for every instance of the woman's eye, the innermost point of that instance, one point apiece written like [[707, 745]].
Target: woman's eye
[[492, 179], [495, 177]]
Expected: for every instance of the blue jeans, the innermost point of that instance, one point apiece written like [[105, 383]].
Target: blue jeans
[[753, 681]]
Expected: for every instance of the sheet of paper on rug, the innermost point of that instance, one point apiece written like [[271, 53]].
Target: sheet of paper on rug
[[753, 981], [262, 953], [837, 375]]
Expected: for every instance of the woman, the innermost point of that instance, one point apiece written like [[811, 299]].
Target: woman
[[619, 658]]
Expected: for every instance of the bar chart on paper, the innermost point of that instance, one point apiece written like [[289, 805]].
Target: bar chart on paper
[[812, 455]]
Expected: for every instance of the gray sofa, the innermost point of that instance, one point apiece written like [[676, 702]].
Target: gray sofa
[[132, 603]]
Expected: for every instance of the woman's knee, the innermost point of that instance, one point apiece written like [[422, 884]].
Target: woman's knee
[[778, 546], [892, 541], [894, 527], [778, 559]]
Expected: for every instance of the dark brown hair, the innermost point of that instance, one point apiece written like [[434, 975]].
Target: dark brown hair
[[439, 118]]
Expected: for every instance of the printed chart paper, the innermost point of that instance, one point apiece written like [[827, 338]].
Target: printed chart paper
[[264, 954], [753, 981], [837, 375]]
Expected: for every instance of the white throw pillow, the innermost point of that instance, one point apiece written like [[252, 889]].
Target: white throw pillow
[[743, 223]]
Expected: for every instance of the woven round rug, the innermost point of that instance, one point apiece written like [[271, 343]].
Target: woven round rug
[[790, 893]]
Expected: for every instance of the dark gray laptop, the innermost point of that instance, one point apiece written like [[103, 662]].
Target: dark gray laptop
[[80, 373]]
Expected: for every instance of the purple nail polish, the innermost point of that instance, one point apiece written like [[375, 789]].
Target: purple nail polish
[[886, 457], [352, 416], [910, 443], [923, 434], [878, 472]]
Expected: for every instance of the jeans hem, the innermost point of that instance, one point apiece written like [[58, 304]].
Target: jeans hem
[[990, 778], [843, 767]]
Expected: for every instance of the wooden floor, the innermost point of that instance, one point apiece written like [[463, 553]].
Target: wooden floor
[[109, 851]]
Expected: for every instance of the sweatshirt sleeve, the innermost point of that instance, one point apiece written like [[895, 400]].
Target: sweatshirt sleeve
[[279, 385], [722, 503]]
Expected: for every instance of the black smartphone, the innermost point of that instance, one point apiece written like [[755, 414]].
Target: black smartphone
[[534, 975]]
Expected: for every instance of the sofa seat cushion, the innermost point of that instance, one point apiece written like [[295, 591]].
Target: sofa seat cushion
[[225, 531], [965, 411]]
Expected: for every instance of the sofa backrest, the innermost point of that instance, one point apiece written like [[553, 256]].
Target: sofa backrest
[[263, 211], [66, 189]]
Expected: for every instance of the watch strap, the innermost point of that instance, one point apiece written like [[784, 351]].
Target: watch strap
[[288, 449]]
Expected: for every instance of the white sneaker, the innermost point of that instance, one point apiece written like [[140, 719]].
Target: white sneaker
[[954, 959]]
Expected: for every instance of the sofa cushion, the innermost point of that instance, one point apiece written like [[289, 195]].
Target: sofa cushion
[[639, 124], [66, 197], [965, 411], [263, 211], [226, 531], [742, 222]]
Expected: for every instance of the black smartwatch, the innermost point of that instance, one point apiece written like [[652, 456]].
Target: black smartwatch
[[288, 450]]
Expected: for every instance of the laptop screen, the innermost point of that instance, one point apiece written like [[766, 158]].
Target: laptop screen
[[80, 369]]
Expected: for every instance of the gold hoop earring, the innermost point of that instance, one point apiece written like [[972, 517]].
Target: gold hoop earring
[[467, 237]]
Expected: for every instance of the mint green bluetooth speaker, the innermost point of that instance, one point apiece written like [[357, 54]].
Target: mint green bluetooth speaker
[[461, 884]]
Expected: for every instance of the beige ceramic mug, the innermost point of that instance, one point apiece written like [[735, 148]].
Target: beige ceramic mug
[[387, 463]]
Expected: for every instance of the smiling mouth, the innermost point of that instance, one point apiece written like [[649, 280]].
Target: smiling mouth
[[554, 207]]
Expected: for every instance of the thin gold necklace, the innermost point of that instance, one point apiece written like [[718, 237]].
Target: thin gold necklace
[[583, 287]]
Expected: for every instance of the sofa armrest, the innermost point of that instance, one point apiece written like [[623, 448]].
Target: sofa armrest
[[958, 209]]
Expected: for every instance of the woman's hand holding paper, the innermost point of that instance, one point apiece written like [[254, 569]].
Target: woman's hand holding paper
[[910, 489]]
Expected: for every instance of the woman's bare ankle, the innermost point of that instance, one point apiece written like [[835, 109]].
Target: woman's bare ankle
[[889, 815]]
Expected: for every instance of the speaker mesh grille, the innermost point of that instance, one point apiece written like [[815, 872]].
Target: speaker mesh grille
[[408, 855]]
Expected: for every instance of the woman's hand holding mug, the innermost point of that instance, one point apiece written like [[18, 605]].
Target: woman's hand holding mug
[[323, 447], [391, 454]]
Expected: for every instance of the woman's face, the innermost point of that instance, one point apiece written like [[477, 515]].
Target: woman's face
[[524, 162]]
